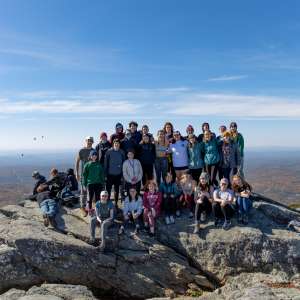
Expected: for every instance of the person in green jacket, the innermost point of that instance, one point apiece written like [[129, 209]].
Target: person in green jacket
[[93, 178], [238, 138], [211, 156]]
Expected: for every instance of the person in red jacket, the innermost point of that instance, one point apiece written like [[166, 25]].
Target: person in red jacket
[[152, 202]]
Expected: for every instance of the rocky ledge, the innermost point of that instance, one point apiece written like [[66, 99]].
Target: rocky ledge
[[263, 257]]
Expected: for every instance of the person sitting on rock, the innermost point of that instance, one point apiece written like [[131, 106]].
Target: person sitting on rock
[[187, 185], [56, 182], [223, 204], [152, 202], [203, 194], [132, 210], [71, 180], [48, 204], [170, 194], [242, 192], [103, 214], [93, 178], [39, 180]]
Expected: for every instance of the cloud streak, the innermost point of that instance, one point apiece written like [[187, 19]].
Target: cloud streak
[[149, 103], [228, 78]]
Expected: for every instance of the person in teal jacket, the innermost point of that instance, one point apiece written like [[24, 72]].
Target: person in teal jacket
[[195, 154], [93, 178], [211, 156]]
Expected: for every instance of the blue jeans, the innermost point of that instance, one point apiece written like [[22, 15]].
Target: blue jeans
[[161, 168], [244, 205], [49, 207]]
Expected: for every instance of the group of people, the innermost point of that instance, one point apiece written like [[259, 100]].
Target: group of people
[[162, 174]]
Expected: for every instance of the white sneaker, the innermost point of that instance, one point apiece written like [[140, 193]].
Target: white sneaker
[[178, 213], [191, 215], [203, 217], [167, 220], [172, 220]]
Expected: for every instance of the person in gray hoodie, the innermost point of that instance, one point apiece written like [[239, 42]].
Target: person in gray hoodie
[[113, 167]]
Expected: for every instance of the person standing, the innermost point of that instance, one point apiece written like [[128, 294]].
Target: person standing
[[81, 159], [161, 160], [119, 134], [102, 147], [195, 154], [132, 137], [146, 155], [93, 178], [239, 139], [205, 127], [132, 172], [179, 155], [113, 167], [230, 157], [211, 156]]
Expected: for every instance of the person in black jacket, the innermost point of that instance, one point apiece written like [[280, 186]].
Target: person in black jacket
[[132, 137], [102, 147], [146, 155], [39, 180]]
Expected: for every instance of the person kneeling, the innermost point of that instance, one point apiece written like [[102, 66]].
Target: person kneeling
[[151, 202], [48, 205], [132, 211], [223, 204], [103, 214]]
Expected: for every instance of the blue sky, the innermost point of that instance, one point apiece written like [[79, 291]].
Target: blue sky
[[74, 68]]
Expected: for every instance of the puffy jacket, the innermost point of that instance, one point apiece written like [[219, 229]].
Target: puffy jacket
[[195, 154], [211, 152]]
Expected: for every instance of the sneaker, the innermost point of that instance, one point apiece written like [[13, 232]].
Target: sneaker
[[191, 215], [196, 229], [121, 230], [177, 213], [167, 220], [217, 222], [92, 241], [83, 212], [46, 220], [245, 220], [172, 220], [203, 217], [240, 219], [226, 225]]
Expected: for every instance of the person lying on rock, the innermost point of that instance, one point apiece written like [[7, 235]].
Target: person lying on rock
[[203, 198], [152, 203], [132, 211], [48, 204], [170, 195], [223, 204], [242, 193], [103, 214]]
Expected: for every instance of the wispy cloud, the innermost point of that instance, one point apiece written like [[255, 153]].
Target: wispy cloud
[[228, 78]]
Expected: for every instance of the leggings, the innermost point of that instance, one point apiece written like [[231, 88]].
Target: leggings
[[94, 190], [220, 212], [114, 180], [244, 205], [212, 171], [169, 205], [205, 206], [188, 200], [147, 173], [149, 218]]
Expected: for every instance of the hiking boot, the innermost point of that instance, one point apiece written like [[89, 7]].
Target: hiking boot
[[245, 220], [53, 222], [172, 220], [191, 215], [217, 222], [121, 230], [177, 213], [46, 220], [203, 217], [226, 225], [167, 220], [240, 219], [83, 212], [197, 228]]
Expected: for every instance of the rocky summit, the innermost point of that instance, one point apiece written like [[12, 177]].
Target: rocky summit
[[257, 261]]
